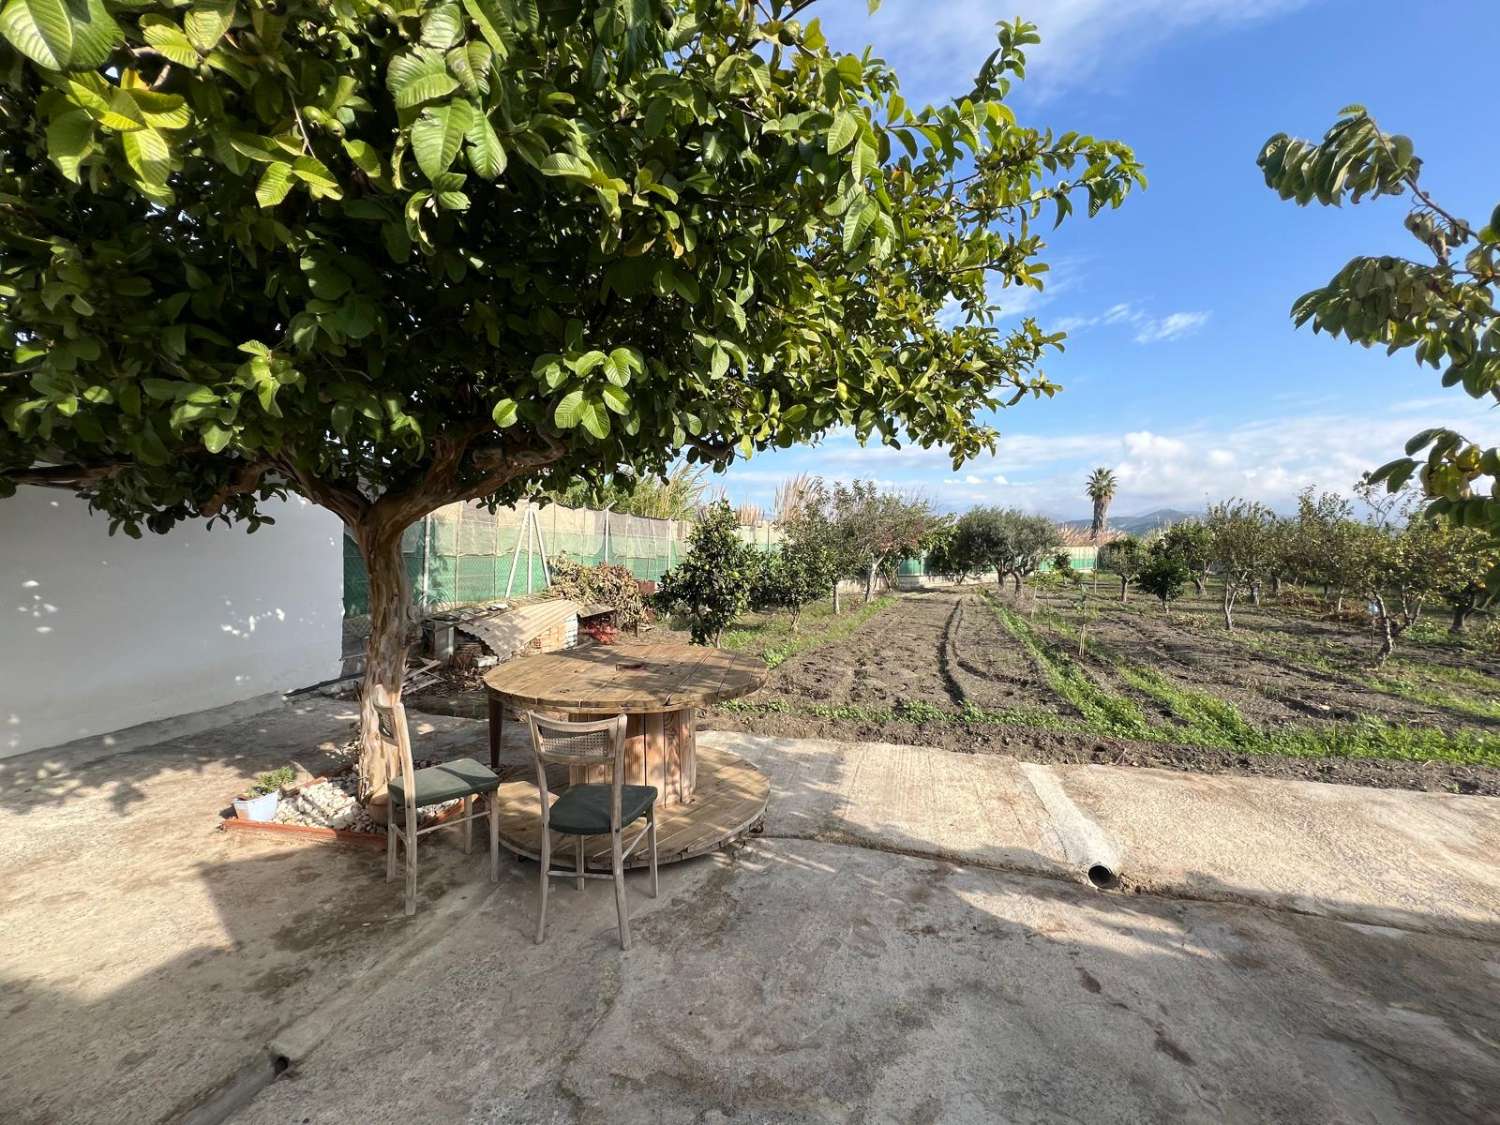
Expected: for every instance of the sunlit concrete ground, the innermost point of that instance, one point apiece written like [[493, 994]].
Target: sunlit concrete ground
[[908, 941]]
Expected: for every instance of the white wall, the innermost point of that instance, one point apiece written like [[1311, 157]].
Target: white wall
[[100, 633]]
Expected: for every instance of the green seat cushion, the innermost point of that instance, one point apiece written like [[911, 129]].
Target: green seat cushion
[[583, 810], [448, 781]]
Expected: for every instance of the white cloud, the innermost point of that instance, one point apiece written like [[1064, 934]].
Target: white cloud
[[1170, 327], [1269, 459], [937, 46], [1149, 329]]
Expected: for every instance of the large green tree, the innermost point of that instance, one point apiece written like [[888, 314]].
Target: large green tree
[[1442, 309], [392, 256]]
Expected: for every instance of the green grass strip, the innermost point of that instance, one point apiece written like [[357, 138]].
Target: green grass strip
[[774, 642]]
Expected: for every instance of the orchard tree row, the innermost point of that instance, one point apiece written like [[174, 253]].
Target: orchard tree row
[[1398, 559], [830, 534]]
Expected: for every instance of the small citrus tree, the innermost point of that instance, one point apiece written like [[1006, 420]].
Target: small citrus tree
[[712, 584], [1126, 557], [1165, 574], [796, 575]]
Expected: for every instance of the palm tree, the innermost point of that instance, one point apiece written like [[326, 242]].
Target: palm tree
[[1101, 490]]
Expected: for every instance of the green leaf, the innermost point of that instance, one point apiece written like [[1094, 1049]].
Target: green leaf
[[315, 174], [216, 437], [70, 138], [95, 35], [169, 41], [483, 13], [365, 156], [207, 21], [486, 155], [857, 221], [567, 165], [568, 410], [442, 27], [843, 131], [438, 134], [274, 184], [594, 417], [149, 155], [41, 30], [616, 399], [505, 412], [415, 80]]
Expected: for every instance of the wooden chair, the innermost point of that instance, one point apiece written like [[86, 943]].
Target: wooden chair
[[590, 810], [412, 789]]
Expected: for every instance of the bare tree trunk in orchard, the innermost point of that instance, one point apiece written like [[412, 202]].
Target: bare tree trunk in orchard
[[870, 582], [1124, 588], [1387, 634], [1202, 587], [1460, 619], [1338, 602], [1255, 593], [999, 580], [385, 654], [1229, 593], [1016, 580], [1276, 585], [836, 606]]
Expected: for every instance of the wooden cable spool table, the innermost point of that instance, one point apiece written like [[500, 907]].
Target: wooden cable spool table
[[703, 798]]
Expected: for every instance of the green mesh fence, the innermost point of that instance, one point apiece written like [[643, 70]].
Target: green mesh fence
[[463, 555]]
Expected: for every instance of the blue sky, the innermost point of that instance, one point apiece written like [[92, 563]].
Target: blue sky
[[1183, 371]]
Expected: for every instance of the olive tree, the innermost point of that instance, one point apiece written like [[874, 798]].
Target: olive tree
[[388, 257], [1012, 543]]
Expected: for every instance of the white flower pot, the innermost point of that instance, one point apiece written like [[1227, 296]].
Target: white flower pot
[[257, 808]]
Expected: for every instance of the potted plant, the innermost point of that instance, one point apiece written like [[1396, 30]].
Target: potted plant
[[259, 802]]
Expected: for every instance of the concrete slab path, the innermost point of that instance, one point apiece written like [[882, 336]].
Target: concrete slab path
[[1417, 861]]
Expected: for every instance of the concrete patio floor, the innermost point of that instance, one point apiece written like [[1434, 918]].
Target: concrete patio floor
[[910, 940]]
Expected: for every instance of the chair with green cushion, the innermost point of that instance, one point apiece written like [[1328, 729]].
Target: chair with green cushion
[[590, 810], [413, 789]]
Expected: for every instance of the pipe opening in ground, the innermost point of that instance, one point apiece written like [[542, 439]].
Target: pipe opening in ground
[[279, 1064], [1103, 877]]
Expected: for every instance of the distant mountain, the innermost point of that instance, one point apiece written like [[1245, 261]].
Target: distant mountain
[[1139, 525]]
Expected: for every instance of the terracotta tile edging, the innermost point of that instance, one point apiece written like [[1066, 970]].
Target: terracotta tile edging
[[316, 832], [303, 831]]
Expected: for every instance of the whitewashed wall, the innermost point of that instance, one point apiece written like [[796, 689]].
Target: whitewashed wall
[[100, 633]]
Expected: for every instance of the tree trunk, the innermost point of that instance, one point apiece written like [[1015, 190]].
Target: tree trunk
[[1016, 579], [1202, 587], [1387, 635], [1276, 585], [1460, 619], [836, 606], [796, 614], [999, 580], [1338, 602], [870, 584], [1124, 588], [1255, 593], [1228, 607], [385, 653]]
